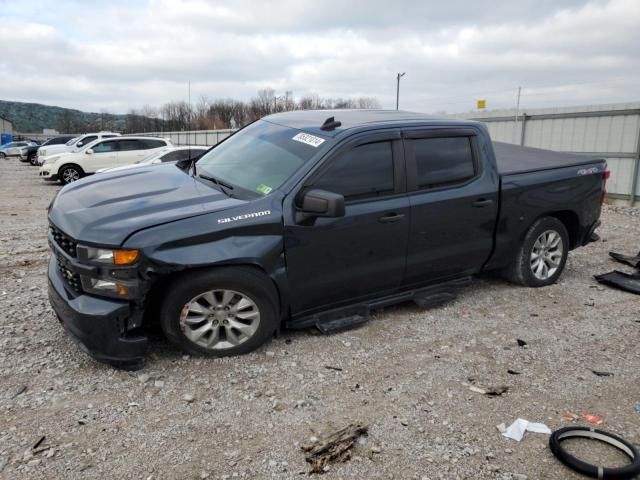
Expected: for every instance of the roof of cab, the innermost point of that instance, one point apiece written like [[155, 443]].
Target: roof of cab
[[312, 120]]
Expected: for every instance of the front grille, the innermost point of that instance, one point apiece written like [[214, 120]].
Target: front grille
[[63, 241], [72, 279]]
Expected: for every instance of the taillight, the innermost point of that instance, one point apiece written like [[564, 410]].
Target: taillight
[[605, 176]]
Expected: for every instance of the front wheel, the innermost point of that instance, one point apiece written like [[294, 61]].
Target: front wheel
[[543, 254], [220, 312], [33, 160], [70, 173], [3, 155]]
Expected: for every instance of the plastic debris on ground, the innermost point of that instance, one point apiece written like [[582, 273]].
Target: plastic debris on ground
[[572, 417], [516, 430], [595, 419], [637, 408]]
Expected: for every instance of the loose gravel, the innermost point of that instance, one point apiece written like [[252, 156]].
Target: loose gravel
[[406, 374]]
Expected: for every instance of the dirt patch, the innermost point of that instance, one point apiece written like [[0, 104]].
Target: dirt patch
[[406, 374]]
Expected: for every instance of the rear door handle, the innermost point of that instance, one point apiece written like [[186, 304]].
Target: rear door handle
[[391, 217], [483, 202]]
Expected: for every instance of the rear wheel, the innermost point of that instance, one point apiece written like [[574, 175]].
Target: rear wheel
[[70, 173], [2, 155], [542, 255], [220, 312]]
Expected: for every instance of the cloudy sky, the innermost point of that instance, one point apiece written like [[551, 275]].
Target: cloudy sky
[[122, 54]]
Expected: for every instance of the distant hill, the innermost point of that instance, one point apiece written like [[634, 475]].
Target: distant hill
[[33, 117]]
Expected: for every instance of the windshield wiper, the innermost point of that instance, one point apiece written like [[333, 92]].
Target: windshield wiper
[[222, 186]]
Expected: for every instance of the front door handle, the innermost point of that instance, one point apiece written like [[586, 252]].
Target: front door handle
[[391, 217], [483, 202]]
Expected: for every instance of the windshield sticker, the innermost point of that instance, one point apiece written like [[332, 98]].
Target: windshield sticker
[[309, 139], [263, 189], [244, 217]]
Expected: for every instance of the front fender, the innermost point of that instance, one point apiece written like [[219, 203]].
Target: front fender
[[205, 241]]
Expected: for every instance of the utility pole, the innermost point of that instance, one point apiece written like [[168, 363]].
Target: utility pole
[[399, 76], [189, 100], [515, 122]]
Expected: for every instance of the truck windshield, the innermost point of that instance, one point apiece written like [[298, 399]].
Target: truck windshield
[[258, 158]]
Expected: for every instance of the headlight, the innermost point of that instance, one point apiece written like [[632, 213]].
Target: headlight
[[112, 257], [109, 288], [53, 159], [42, 153]]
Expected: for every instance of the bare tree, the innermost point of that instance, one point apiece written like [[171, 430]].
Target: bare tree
[[368, 102]]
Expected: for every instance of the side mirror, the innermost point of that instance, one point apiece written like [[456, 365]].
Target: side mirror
[[320, 203], [89, 151], [156, 161], [79, 144]]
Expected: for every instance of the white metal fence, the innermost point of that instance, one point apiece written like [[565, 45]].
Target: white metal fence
[[195, 137], [609, 131]]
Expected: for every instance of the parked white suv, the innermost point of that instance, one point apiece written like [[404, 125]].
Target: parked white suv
[[68, 167], [74, 145]]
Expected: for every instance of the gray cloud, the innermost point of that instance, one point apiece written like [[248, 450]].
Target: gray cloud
[[123, 55]]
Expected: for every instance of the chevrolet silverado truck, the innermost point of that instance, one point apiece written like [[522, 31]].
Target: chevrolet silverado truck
[[309, 218]]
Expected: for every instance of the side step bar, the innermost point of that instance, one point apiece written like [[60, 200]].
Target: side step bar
[[352, 316]]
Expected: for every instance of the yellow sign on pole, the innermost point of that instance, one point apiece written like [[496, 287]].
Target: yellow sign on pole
[[481, 104]]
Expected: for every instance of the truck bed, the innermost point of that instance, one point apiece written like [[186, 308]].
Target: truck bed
[[513, 159]]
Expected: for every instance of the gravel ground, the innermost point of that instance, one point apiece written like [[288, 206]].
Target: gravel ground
[[406, 374]]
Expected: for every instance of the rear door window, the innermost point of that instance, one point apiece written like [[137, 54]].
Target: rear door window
[[129, 145], [151, 143], [442, 161]]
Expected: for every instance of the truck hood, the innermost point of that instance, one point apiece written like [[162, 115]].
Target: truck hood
[[105, 209]]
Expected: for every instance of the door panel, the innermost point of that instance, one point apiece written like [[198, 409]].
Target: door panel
[[104, 156], [341, 259], [452, 224]]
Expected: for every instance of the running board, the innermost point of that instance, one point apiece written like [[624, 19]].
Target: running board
[[356, 315], [342, 319]]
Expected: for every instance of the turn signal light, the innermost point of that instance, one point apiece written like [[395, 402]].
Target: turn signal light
[[125, 257]]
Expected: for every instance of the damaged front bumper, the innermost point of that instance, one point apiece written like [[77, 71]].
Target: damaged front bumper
[[98, 325]]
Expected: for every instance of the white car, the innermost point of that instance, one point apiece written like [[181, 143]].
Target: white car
[[68, 167], [169, 154], [74, 145]]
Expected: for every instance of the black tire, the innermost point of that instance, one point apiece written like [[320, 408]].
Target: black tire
[[3, 155], [595, 471], [521, 271], [69, 178], [33, 160], [246, 280]]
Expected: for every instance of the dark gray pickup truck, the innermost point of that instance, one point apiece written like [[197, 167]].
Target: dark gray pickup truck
[[309, 218]]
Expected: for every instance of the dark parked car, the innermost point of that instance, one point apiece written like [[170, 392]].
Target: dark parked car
[[301, 220], [32, 152]]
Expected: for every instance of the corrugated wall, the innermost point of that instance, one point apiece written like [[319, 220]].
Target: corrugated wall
[[609, 131]]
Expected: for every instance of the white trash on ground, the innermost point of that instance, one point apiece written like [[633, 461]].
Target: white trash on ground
[[516, 429]]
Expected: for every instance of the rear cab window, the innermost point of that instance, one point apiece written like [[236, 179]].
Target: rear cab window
[[440, 160]]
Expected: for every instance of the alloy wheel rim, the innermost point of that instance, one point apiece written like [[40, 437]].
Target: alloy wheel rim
[[546, 255], [70, 175], [220, 319]]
